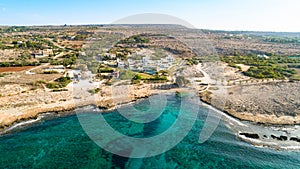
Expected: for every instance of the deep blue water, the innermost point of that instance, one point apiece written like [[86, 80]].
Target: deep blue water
[[62, 143]]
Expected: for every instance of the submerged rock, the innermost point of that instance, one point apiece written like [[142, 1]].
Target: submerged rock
[[295, 139], [250, 135], [281, 138], [284, 138]]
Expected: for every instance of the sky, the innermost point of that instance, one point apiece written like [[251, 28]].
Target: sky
[[253, 15]]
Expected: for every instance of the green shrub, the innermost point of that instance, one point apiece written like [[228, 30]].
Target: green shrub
[[127, 74], [51, 72], [51, 85], [235, 66], [95, 91], [59, 83], [105, 70]]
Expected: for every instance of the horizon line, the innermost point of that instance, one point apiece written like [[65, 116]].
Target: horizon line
[[111, 24]]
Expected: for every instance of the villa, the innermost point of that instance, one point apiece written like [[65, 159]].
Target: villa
[[147, 64]]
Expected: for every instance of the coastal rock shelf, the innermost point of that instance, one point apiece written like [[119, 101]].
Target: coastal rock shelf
[[274, 103], [280, 138]]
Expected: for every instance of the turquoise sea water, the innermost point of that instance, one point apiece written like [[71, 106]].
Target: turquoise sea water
[[62, 143]]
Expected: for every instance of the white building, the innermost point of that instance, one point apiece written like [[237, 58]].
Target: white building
[[151, 66], [121, 65], [263, 56]]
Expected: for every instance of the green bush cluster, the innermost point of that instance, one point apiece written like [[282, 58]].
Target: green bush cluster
[[95, 91], [59, 83], [17, 64], [68, 60], [253, 60], [286, 40], [135, 39], [106, 70], [275, 67], [51, 72], [234, 66], [126, 74], [192, 61], [263, 72]]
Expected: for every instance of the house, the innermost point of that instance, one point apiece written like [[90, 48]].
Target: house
[[170, 58], [121, 65], [72, 37], [38, 55], [42, 53], [115, 74], [47, 52], [146, 59], [263, 56], [150, 66], [73, 74], [112, 63]]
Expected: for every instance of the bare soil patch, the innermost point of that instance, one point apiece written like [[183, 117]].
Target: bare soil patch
[[244, 67], [15, 69]]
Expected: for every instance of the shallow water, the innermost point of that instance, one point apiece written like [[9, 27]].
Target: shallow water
[[62, 143]]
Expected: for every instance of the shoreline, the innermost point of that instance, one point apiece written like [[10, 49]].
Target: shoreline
[[70, 109], [239, 127], [267, 120]]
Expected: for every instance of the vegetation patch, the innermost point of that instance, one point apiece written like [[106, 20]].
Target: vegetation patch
[[51, 72], [18, 64], [95, 91], [275, 67], [135, 39], [106, 70], [61, 82], [192, 61], [149, 78]]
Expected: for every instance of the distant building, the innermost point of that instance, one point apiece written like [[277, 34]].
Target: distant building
[[47, 52], [37, 55], [263, 56], [72, 37], [121, 65], [73, 73], [42, 53], [150, 66]]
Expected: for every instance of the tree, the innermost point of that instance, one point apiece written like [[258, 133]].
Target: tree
[[137, 77], [236, 53]]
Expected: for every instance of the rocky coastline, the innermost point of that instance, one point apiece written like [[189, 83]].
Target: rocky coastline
[[107, 101], [269, 104]]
